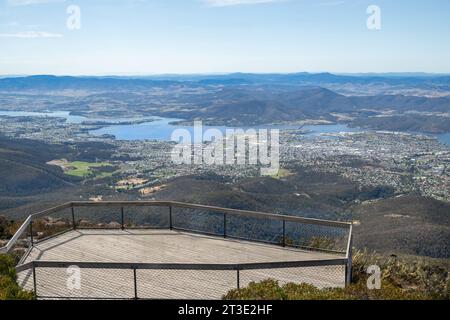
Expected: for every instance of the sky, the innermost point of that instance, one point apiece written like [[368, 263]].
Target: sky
[[140, 37]]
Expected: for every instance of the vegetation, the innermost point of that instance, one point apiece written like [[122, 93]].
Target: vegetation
[[406, 122], [26, 174], [408, 224], [429, 277], [7, 228], [282, 173], [9, 289], [402, 279], [86, 169]]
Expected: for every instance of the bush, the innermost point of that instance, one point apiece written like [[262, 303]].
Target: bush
[[7, 228], [9, 289], [427, 276], [402, 279], [271, 290]]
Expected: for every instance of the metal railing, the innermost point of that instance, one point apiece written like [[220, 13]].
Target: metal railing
[[282, 230], [136, 289]]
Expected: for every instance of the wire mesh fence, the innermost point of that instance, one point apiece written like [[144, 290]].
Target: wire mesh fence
[[52, 224], [95, 283], [61, 280], [98, 217], [22, 246], [306, 234], [198, 220], [255, 229], [316, 237], [184, 284], [157, 217], [331, 276], [121, 217]]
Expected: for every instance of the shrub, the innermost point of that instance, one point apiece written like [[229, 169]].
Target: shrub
[[7, 228], [9, 289], [271, 290], [427, 276], [402, 279]]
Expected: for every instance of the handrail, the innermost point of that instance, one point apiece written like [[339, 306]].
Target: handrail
[[180, 266], [27, 222], [246, 213], [237, 268]]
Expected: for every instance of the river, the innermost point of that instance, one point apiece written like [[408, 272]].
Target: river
[[161, 128]]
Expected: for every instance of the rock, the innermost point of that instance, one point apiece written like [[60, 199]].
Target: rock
[[96, 198], [51, 222], [114, 225], [22, 243], [84, 223], [60, 224], [19, 250]]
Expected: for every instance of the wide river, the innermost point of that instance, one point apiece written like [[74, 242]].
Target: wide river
[[161, 128]]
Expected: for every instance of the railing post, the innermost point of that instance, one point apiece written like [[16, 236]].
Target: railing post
[[31, 233], [122, 218], [135, 284], [170, 218], [74, 224], [238, 278], [284, 233], [349, 265], [34, 280], [224, 225]]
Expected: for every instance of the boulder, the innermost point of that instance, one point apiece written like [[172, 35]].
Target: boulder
[[114, 225]]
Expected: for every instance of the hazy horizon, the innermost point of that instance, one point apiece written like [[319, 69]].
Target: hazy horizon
[[210, 74]]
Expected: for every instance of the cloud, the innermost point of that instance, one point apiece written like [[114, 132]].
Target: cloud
[[31, 34], [227, 3], [10, 24], [28, 2]]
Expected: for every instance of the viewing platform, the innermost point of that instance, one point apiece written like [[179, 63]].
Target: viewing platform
[[171, 250]]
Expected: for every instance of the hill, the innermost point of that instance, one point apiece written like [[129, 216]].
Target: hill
[[406, 224], [406, 122], [24, 170], [246, 107], [387, 223], [49, 82], [26, 176], [244, 99]]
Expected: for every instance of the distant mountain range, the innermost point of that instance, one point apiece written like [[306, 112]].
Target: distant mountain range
[[303, 78], [48, 82], [311, 103], [252, 99]]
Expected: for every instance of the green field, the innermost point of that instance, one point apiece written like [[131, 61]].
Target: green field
[[84, 169]]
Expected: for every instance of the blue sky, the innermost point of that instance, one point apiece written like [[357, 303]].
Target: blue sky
[[217, 36]]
